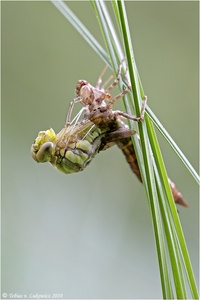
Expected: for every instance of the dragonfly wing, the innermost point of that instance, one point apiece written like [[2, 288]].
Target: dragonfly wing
[[111, 138]]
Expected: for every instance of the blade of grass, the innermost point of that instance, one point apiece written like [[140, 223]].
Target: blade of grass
[[105, 34], [175, 218], [84, 32], [175, 260], [175, 215], [171, 142]]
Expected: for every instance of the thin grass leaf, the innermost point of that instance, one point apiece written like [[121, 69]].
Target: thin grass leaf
[[80, 27], [173, 211], [174, 146], [106, 35], [147, 158], [175, 257], [108, 29]]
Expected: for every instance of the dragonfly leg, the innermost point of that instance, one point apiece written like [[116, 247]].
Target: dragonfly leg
[[115, 82], [143, 107], [88, 132], [134, 118], [120, 95], [70, 109], [107, 81], [69, 112], [99, 81], [127, 116], [124, 92]]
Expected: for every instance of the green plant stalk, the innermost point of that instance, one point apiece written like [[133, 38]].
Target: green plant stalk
[[105, 34], [175, 259], [171, 142], [173, 213], [78, 25], [149, 175], [181, 290]]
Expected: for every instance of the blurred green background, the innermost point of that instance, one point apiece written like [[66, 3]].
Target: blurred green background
[[89, 235]]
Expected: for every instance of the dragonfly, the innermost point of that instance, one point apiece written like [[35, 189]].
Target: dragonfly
[[95, 128]]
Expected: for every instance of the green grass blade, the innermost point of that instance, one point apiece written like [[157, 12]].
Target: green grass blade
[[172, 215], [105, 32], [172, 243], [148, 167], [172, 143], [80, 27]]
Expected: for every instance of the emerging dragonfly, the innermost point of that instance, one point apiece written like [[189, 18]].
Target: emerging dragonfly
[[72, 149]]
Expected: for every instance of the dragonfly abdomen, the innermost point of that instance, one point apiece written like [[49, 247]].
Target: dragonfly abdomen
[[73, 153], [127, 148]]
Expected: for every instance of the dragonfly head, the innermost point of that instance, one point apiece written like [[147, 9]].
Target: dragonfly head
[[44, 146], [85, 91], [91, 96]]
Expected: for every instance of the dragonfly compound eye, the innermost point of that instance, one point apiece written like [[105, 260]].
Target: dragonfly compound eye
[[45, 152], [44, 146]]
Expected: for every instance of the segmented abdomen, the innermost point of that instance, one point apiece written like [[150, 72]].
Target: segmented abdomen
[[127, 148], [75, 151]]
